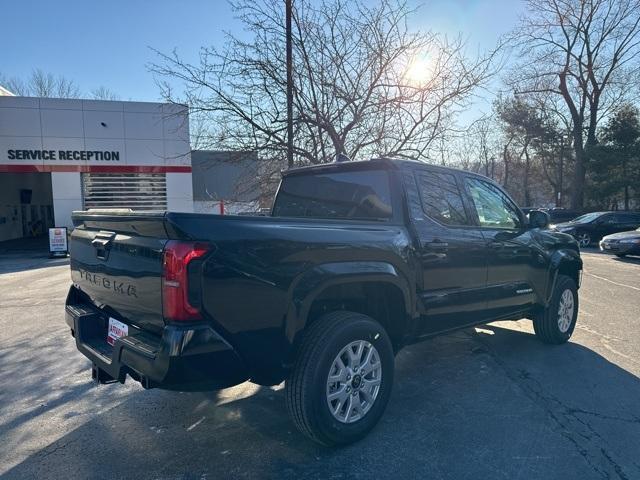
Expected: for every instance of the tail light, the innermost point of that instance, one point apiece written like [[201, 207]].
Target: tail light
[[175, 280]]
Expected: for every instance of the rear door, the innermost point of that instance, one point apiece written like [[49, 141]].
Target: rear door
[[118, 264], [631, 221], [513, 261], [618, 222], [450, 251]]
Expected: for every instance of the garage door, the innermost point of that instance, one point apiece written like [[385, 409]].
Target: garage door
[[138, 191]]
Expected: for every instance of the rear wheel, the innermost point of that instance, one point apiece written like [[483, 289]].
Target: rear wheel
[[555, 324], [584, 239], [341, 382]]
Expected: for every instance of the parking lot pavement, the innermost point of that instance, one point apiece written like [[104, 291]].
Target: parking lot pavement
[[488, 402]]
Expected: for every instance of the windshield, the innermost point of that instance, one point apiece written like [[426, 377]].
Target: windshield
[[586, 218]]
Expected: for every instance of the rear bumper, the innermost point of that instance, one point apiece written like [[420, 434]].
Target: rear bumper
[[186, 358]]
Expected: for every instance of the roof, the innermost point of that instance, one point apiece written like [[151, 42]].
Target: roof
[[5, 93], [384, 162]]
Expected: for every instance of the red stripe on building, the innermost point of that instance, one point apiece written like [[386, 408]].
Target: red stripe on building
[[95, 168]]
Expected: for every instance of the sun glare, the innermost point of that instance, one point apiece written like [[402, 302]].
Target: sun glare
[[418, 71]]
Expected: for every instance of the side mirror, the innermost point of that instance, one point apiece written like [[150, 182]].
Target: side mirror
[[538, 219]]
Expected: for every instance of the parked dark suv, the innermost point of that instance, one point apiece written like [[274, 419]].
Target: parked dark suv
[[558, 214], [356, 260], [591, 227]]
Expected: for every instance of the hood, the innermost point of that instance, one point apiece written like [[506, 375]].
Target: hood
[[567, 224], [621, 235], [553, 240]]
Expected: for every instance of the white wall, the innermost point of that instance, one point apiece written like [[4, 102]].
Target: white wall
[[179, 192], [229, 208], [143, 134], [146, 136], [67, 196]]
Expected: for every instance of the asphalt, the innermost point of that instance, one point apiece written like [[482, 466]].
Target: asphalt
[[489, 402]]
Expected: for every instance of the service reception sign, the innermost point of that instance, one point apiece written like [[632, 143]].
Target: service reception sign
[[83, 155], [58, 241], [70, 135]]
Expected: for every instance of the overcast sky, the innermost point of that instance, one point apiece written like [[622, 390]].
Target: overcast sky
[[107, 43]]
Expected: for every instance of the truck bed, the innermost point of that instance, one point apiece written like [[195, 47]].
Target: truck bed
[[245, 283]]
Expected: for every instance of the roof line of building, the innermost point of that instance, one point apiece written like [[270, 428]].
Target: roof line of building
[[5, 93]]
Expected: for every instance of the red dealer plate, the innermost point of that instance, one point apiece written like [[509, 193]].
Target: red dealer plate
[[116, 330]]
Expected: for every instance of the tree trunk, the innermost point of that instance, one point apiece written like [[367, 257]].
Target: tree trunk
[[506, 167], [626, 181], [579, 175]]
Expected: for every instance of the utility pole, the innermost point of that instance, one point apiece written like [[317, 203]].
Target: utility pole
[[561, 172], [289, 7]]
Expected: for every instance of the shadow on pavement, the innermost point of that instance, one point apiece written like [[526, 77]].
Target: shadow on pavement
[[633, 260], [26, 254], [487, 403], [26, 245], [628, 259], [12, 263]]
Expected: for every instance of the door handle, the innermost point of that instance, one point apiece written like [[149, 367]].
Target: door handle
[[495, 245], [437, 245], [102, 242]]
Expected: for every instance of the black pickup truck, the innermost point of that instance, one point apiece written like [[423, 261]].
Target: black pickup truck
[[356, 260]]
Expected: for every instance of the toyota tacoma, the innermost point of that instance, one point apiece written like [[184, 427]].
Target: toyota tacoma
[[355, 261]]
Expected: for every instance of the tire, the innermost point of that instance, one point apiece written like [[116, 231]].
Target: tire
[[584, 239], [555, 324], [307, 390]]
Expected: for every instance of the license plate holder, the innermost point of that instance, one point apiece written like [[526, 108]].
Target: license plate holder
[[116, 330]]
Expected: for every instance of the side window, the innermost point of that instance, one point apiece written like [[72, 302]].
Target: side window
[[441, 198], [493, 207], [625, 219], [357, 195]]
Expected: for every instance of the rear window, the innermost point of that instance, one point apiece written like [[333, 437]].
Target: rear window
[[357, 195]]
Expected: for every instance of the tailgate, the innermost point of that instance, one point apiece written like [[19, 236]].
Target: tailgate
[[117, 262]]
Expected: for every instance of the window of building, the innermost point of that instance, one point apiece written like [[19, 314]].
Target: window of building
[[138, 191]]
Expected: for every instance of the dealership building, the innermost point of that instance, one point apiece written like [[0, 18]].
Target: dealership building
[[61, 155]]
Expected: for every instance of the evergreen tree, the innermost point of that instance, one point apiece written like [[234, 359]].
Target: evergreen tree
[[615, 163]]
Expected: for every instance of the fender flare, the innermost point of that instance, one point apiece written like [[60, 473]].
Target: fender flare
[[313, 282], [559, 259]]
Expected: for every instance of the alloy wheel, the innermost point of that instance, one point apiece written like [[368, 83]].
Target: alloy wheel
[[354, 381], [565, 311], [584, 240]]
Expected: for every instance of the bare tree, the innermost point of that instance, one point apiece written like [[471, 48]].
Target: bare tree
[[585, 51], [363, 83], [483, 133], [103, 93], [477, 147], [43, 84]]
